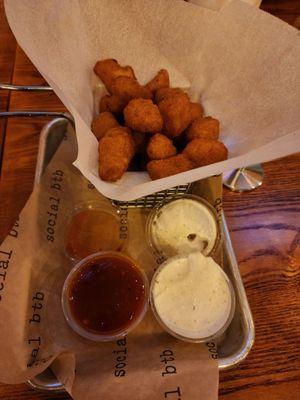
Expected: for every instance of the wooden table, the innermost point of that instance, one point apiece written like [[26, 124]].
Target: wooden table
[[264, 226]]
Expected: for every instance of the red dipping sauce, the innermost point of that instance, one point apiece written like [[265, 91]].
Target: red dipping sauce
[[105, 296]]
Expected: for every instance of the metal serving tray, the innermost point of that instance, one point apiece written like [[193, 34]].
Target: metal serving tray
[[237, 341]]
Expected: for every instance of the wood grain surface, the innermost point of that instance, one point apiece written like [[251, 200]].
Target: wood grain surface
[[264, 226]]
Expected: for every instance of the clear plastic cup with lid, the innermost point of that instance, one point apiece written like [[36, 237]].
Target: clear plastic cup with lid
[[93, 227], [190, 308], [183, 224], [105, 296]]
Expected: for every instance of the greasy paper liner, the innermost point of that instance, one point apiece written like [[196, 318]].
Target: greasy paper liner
[[148, 363]]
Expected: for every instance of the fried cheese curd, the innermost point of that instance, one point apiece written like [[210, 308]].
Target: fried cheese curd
[[116, 150], [108, 70], [161, 80], [124, 89], [112, 104], [159, 122], [127, 89], [205, 151], [142, 115], [158, 169], [121, 83], [103, 123], [164, 92], [203, 128], [176, 113], [160, 147], [196, 111]]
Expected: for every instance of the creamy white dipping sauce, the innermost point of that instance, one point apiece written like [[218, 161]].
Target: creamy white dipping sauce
[[191, 296], [183, 226]]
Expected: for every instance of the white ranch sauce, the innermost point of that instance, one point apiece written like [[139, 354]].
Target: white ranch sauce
[[183, 226], [191, 296]]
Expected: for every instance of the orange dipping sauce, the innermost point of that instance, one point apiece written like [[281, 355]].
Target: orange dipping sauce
[[91, 231]]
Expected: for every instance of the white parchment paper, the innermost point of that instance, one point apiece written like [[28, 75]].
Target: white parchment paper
[[243, 64]]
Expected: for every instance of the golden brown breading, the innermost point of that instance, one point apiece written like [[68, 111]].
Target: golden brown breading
[[143, 116], [160, 147], [151, 126], [140, 141], [204, 128], [110, 69], [158, 169], [164, 92], [196, 111], [115, 131], [104, 68], [124, 71], [116, 149], [112, 103], [176, 113], [205, 151], [161, 80], [127, 89], [103, 123]]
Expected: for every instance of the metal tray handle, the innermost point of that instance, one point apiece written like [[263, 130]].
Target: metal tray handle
[[25, 88], [26, 113], [51, 114]]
